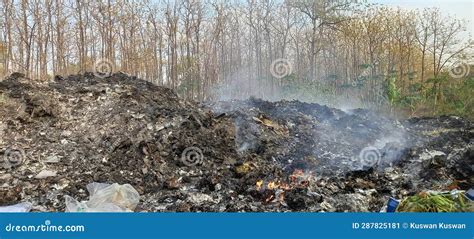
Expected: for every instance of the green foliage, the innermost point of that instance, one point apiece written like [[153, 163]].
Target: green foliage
[[436, 96], [393, 92], [413, 97], [436, 202], [458, 99]]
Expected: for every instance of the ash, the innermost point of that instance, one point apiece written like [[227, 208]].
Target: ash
[[245, 155]]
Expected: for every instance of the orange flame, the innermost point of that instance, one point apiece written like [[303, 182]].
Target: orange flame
[[272, 185], [298, 179]]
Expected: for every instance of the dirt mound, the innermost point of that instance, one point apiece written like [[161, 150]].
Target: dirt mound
[[248, 155]]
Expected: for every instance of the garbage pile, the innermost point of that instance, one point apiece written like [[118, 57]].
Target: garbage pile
[[58, 137], [106, 198]]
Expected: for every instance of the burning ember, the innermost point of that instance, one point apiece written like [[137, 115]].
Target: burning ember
[[274, 191], [300, 179], [272, 185]]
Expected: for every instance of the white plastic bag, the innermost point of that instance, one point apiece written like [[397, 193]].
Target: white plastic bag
[[20, 207], [106, 198]]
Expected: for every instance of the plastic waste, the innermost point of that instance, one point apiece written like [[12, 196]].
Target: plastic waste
[[20, 207], [470, 194], [106, 198], [45, 174], [392, 204]]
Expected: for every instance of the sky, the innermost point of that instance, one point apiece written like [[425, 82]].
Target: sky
[[462, 9]]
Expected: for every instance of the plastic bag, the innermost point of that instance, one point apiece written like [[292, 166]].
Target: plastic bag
[[20, 207], [106, 198]]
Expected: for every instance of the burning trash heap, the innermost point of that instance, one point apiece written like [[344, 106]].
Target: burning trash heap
[[252, 155]]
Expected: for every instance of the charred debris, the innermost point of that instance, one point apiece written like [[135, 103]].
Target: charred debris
[[251, 155]]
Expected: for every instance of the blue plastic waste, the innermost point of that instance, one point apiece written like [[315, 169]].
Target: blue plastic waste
[[470, 194], [392, 204]]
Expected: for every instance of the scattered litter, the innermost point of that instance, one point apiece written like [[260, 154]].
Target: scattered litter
[[20, 207], [244, 168], [300, 154], [470, 193], [264, 120], [45, 174], [428, 155], [52, 159], [5, 177], [199, 198], [106, 198], [392, 204]]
